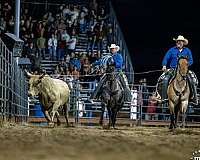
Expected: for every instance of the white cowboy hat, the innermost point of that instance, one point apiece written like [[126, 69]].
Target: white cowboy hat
[[114, 46], [181, 38]]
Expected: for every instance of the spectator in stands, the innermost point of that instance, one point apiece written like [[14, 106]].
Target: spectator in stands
[[101, 15], [2, 24], [72, 43], [93, 5], [61, 26], [86, 66], [6, 10], [65, 36], [10, 26], [75, 73], [100, 33], [41, 45], [91, 39], [91, 21], [50, 18], [151, 109], [36, 66], [52, 46], [75, 62], [39, 29], [82, 22], [66, 11], [109, 33], [31, 51]]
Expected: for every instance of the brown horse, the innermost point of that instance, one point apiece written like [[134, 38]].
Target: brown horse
[[178, 93]]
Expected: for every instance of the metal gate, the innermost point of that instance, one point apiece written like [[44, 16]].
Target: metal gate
[[13, 88]]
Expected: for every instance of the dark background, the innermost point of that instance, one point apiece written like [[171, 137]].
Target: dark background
[[149, 27]]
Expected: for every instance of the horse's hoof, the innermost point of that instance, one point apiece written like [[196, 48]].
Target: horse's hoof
[[106, 127], [170, 127], [101, 123]]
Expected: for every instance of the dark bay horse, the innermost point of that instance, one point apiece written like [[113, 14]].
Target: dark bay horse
[[112, 96], [178, 93]]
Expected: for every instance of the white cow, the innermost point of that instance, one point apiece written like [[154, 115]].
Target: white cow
[[53, 93]]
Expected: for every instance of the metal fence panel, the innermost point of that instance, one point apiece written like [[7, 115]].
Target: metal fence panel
[[13, 88]]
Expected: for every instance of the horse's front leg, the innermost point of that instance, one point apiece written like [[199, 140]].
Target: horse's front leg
[[110, 117], [172, 118], [183, 110], [102, 113]]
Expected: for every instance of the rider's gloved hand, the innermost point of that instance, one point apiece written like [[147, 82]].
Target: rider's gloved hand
[[164, 68]]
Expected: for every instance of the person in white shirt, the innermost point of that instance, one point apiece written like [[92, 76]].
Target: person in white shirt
[[72, 43], [52, 46]]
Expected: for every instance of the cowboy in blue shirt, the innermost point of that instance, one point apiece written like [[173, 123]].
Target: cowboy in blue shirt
[[117, 61], [171, 58]]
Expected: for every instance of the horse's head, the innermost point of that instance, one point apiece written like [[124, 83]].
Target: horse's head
[[183, 66], [110, 65]]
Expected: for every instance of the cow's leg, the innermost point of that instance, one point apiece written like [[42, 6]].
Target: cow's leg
[[46, 114], [56, 105], [58, 120], [65, 109]]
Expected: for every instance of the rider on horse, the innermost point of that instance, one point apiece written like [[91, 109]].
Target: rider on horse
[[172, 57], [117, 60]]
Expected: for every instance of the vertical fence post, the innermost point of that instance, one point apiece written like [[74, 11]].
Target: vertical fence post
[[75, 102]]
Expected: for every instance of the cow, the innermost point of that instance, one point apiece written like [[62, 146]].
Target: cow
[[52, 93]]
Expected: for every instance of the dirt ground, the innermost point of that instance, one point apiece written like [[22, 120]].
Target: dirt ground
[[95, 143]]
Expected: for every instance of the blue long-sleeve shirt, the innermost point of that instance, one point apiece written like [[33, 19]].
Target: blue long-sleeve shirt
[[117, 57], [172, 55], [76, 62]]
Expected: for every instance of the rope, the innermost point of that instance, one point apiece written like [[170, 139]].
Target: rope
[[91, 75], [151, 71]]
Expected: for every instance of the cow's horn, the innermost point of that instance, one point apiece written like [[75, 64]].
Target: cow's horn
[[27, 73]]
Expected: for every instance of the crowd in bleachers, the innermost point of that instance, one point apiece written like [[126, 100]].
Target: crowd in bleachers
[[55, 35]]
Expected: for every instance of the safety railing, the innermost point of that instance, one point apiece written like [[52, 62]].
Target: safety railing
[[13, 88]]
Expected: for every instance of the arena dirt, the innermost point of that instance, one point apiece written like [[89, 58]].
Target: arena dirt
[[95, 143]]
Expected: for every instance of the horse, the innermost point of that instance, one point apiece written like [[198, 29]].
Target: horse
[[111, 95], [178, 93]]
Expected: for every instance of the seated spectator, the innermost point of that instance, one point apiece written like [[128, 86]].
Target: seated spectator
[[75, 73], [86, 66], [75, 62]]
